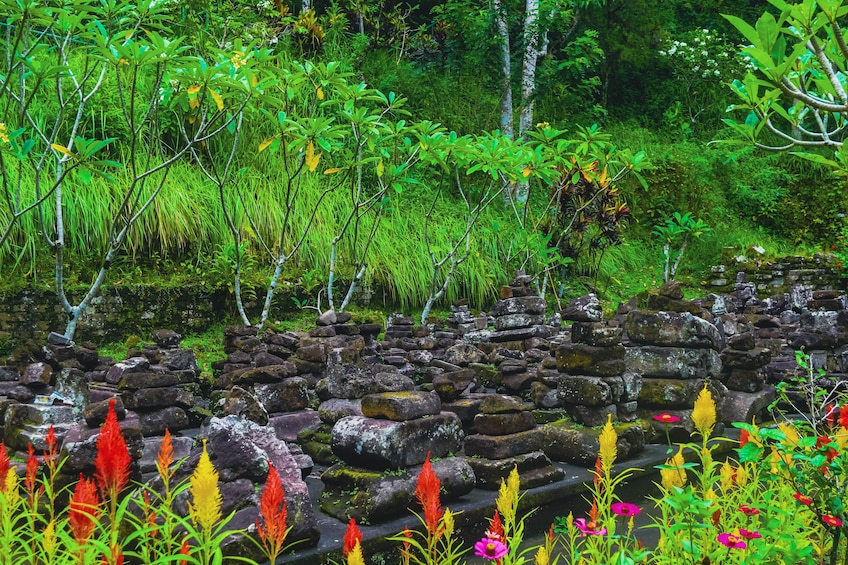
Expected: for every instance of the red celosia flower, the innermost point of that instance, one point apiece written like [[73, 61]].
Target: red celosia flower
[[802, 498], [353, 535], [599, 472], [84, 510], [825, 445], [496, 530], [744, 437], [748, 510], [427, 492], [716, 517], [31, 470], [731, 541], [166, 455], [749, 534], [4, 465], [625, 509], [832, 521], [117, 556], [273, 508], [113, 460], [666, 418], [184, 550]]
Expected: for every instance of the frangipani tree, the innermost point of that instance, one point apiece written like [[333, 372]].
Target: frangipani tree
[[169, 99], [796, 96]]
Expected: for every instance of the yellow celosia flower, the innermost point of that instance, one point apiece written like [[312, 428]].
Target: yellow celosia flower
[[790, 432], [205, 510], [3, 134], [704, 413], [448, 521], [710, 495], [355, 555], [727, 474], [608, 440], [13, 496], [508, 496], [742, 475], [674, 477], [48, 537], [841, 439], [542, 557]]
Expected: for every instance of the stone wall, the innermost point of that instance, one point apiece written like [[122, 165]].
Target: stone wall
[[31, 314], [776, 276]]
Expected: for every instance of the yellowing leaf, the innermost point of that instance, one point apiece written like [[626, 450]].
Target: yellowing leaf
[[219, 102], [381, 168], [194, 89], [61, 149], [526, 172], [266, 143], [311, 158], [320, 92], [254, 80], [332, 171]]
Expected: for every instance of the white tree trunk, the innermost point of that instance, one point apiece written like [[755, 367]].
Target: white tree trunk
[[506, 64], [528, 73], [305, 6]]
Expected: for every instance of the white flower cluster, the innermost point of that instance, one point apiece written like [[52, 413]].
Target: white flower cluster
[[703, 54]]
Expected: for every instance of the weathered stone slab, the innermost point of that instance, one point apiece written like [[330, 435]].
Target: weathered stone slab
[[149, 379], [595, 333], [673, 362], [534, 469], [584, 309], [155, 422], [502, 424], [581, 359], [514, 321], [591, 415], [287, 396], [738, 406], [378, 496], [671, 329], [117, 371], [401, 406], [386, 444], [588, 391], [752, 359], [669, 393], [288, 426], [501, 403], [578, 445], [519, 305], [147, 398], [501, 447], [36, 374]]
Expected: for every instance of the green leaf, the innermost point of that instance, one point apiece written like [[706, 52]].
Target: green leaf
[[85, 175]]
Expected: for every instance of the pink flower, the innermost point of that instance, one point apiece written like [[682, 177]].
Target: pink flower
[[749, 534], [625, 509], [666, 418], [491, 549], [748, 510], [832, 521], [731, 541], [589, 528], [802, 498]]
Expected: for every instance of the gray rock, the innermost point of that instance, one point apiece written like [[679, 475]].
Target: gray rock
[[463, 354], [672, 329], [580, 359], [534, 305], [288, 426], [584, 309], [401, 406], [332, 410], [287, 396], [386, 444], [150, 451], [515, 321], [166, 338], [155, 422], [673, 362], [148, 398], [36, 374], [132, 365], [95, 413], [239, 402]]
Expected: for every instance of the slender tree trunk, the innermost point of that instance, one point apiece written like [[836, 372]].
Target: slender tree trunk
[[528, 73], [305, 6], [507, 122]]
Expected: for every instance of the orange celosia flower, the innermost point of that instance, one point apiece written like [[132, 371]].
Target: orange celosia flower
[[184, 550], [4, 465], [84, 510], [353, 535], [427, 492], [117, 557], [113, 460], [273, 508], [843, 416], [744, 437], [166, 456]]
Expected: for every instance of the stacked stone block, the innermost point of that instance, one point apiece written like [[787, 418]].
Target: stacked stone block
[[593, 383], [675, 352], [507, 438], [382, 452]]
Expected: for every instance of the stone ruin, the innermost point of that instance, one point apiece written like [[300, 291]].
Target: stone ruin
[[479, 394]]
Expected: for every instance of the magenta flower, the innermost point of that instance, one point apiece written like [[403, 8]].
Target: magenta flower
[[589, 528], [731, 541], [749, 534], [748, 510], [625, 509], [666, 418], [491, 549]]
